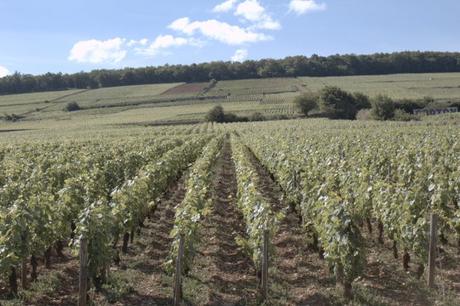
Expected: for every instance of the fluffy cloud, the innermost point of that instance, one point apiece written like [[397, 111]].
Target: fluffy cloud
[[99, 51], [225, 6], [164, 42], [3, 72], [240, 55], [141, 42], [254, 12], [305, 6], [217, 30], [251, 10]]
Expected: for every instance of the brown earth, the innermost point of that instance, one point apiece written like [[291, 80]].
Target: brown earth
[[222, 270]]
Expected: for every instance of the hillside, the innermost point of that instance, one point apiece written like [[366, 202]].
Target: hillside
[[176, 103]]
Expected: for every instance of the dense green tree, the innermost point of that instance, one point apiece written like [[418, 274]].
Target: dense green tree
[[362, 101], [336, 103], [216, 114], [307, 102], [383, 108]]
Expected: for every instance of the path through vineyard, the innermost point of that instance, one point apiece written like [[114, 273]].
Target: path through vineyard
[[222, 267], [150, 251], [295, 274]]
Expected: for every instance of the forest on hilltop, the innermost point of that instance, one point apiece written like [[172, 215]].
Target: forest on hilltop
[[334, 65]]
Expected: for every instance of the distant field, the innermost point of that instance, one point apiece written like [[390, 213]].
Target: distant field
[[179, 102], [441, 86], [255, 86], [119, 94], [32, 98], [186, 89]]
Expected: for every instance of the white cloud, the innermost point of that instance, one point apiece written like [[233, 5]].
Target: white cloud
[[141, 42], [217, 30], [225, 6], [305, 6], [164, 42], [4, 72], [253, 11], [99, 51], [240, 55]]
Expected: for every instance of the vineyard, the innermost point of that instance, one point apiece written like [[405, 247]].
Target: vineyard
[[277, 213], [181, 103]]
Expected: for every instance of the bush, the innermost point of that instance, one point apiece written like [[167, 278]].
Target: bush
[[216, 114], [230, 117], [383, 108], [400, 115], [72, 107], [306, 102], [13, 117], [408, 105], [257, 117], [362, 101], [337, 103]]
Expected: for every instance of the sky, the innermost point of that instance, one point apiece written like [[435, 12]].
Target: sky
[[70, 36]]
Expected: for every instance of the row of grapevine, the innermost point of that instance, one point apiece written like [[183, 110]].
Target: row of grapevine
[[339, 180], [196, 203], [102, 223], [68, 189], [255, 208]]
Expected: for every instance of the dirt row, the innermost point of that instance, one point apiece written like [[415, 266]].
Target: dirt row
[[223, 271]]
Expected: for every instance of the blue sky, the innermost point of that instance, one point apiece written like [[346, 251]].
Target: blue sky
[[70, 36]]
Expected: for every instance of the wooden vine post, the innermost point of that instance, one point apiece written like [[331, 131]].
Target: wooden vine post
[[83, 280], [264, 285], [178, 273], [24, 273], [433, 249]]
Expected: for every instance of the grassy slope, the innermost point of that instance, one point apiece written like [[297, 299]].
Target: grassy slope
[[148, 103], [413, 86]]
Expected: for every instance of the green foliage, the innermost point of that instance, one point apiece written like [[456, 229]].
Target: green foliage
[[216, 114], [307, 102], [383, 108], [194, 206], [401, 115], [399, 62], [337, 179], [256, 209], [72, 107], [119, 285], [362, 101], [257, 116], [337, 103]]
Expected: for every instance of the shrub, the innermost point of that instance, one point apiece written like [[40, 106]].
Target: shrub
[[408, 105], [306, 102], [72, 107], [337, 103], [231, 117], [383, 108], [257, 117], [400, 115], [362, 101], [216, 114]]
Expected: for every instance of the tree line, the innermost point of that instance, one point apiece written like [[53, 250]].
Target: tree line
[[335, 103], [334, 65]]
